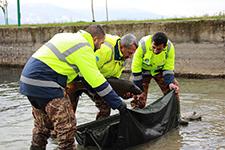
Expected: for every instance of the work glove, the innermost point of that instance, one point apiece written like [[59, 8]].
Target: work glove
[[122, 108]]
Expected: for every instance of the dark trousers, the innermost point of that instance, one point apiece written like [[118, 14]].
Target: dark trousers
[[161, 83]]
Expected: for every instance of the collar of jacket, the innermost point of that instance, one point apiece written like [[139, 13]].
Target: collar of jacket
[[88, 37], [118, 54]]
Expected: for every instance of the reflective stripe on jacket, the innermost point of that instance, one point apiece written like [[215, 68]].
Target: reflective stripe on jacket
[[65, 51], [66, 54], [145, 59], [39, 80], [58, 62]]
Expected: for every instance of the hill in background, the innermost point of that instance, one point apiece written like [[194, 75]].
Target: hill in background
[[34, 14]]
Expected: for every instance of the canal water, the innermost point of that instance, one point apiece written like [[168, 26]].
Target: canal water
[[205, 96]]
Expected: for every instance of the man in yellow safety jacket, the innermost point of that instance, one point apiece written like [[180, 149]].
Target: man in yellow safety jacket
[[154, 59], [110, 60], [46, 74]]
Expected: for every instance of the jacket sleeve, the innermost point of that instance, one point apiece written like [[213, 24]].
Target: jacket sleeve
[[118, 73], [86, 62], [136, 67], [109, 95], [103, 55], [168, 68]]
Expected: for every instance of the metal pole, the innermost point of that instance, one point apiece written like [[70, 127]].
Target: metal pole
[[18, 13], [6, 14], [92, 10], [106, 8], [3, 10], [3, 5]]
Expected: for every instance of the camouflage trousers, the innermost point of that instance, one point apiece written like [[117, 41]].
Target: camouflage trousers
[[58, 116], [75, 89], [161, 83], [123, 88], [103, 107]]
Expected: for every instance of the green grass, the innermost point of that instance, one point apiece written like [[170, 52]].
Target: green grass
[[80, 23]]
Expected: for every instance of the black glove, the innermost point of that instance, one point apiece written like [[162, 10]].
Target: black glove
[[123, 107]]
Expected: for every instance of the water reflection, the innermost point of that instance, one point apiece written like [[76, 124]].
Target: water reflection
[[206, 97]]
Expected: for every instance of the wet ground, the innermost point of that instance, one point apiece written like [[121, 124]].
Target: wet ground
[[206, 97]]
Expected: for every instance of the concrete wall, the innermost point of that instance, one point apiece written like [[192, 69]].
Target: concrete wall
[[200, 45]]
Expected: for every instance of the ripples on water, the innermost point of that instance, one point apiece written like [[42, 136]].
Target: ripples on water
[[15, 126], [206, 97]]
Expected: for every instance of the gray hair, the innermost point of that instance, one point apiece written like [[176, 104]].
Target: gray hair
[[127, 40]]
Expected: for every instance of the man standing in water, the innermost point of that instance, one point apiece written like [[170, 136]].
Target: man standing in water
[[110, 60], [47, 73], [154, 59]]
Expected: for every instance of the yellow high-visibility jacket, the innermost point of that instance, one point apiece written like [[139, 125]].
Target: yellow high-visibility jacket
[[109, 57], [69, 54], [59, 62], [144, 58]]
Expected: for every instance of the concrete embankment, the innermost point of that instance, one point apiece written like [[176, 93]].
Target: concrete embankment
[[200, 45]]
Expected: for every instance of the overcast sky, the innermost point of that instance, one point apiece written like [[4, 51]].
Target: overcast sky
[[167, 8]]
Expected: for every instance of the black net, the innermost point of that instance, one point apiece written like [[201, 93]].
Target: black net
[[132, 127]]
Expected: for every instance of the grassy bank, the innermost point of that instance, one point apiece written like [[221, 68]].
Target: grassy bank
[[79, 23]]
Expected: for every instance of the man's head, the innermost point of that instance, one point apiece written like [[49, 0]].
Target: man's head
[[159, 42], [98, 35], [128, 45]]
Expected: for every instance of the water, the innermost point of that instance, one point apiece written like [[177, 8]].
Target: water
[[206, 97]]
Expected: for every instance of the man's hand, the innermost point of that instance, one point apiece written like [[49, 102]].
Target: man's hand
[[127, 95], [173, 86], [139, 101], [142, 96]]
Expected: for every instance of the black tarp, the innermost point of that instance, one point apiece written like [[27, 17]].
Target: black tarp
[[132, 127]]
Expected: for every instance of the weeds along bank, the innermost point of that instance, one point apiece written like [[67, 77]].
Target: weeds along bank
[[200, 45]]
